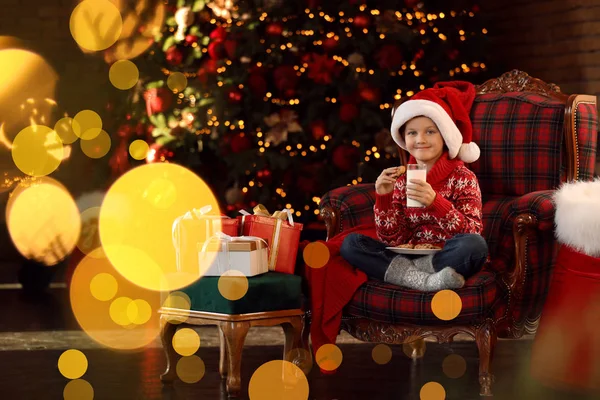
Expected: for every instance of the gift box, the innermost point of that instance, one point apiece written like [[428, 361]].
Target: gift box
[[280, 232], [222, 253], [197, 226]]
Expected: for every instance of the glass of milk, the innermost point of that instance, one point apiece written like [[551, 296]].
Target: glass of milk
[[415, 171]]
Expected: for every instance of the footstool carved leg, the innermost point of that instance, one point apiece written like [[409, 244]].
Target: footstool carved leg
[[295, 350], [223, 360], [235, 334], [167, 333]]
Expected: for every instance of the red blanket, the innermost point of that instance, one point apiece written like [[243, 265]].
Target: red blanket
[[332, 287]]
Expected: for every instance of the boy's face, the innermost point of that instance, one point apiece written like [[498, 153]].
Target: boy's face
[[423, 140]]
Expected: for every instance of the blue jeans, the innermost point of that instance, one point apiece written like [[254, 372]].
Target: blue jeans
[[465, 252]]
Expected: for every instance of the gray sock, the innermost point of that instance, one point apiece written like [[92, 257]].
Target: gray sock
[[403, 272], [424, 264]]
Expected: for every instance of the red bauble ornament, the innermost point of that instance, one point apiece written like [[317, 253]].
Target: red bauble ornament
[[411, 3], [216, 50], [206, 70], [234, 96], [368, 93], [313, 4], [286, 78], [318, 129], [230, 48], [389, 57], [257, 84], [362, 21], [158, 100], [330, 44], [191, 39], [345, 157], [274, 29], [239, 143], [348, 112], [174, 56], [218, 34]]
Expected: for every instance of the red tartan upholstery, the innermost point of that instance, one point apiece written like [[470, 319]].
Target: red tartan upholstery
[[383, 302]]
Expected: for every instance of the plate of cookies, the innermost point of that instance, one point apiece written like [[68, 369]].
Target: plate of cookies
[[418, 249]]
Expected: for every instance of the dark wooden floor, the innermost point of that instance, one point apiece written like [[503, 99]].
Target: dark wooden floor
[[30, 371]]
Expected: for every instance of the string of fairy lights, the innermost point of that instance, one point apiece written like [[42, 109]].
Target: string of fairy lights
[[410, 18]]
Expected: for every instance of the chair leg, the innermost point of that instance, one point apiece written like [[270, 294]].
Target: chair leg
[[167, 333], [486, 342], [223, 360], [295, 349], [418, 348], [235, 334]]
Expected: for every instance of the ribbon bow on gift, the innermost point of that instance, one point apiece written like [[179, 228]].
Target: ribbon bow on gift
[[225, 239], [262, 211]]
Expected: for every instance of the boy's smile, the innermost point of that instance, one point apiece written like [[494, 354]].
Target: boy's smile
[[424, 140]]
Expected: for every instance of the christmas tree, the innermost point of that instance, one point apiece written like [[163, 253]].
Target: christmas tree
[[276, 102]]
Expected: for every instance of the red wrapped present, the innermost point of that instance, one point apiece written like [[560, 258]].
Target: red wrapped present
[[280, 232], [197, 226]]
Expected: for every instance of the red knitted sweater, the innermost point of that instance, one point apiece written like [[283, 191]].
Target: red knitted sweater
[[456, 208]]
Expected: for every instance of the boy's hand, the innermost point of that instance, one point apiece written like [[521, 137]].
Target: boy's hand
[[420, 191], [385, 182]]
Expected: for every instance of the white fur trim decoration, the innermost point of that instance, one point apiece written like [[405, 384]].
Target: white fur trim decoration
[[430, 109], [577, 216], [469, 152]]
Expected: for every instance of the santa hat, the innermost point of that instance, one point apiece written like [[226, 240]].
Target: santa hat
[[448, 104]]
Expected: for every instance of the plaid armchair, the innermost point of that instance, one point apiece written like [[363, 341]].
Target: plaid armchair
[[532, 138]]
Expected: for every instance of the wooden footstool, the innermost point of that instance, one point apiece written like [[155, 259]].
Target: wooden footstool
[[234, 318]]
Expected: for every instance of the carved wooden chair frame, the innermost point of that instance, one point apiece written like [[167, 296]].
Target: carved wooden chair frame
[[486, 331]]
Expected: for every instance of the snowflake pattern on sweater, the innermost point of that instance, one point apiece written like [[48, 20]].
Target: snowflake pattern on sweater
[[457, 208]]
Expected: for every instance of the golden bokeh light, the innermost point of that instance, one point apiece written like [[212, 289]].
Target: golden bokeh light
[[276, 380], [118, 311], [181, 302], [139, 311], [177, 82], [137, 34], [95, 24], [138, 149], [454, 366], [110, 323], [233, 285], [186, 341], [190, 369], [316, 255], [136, 224], [329, 357], [104, 286], [96, 147], [72, 364], [382, 354], [446, 305], [43, 220], [123, 74], [432, 391], [37, 150], [79, 389], [27, 88], [89, 239], [64, 128], [88, 124]]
